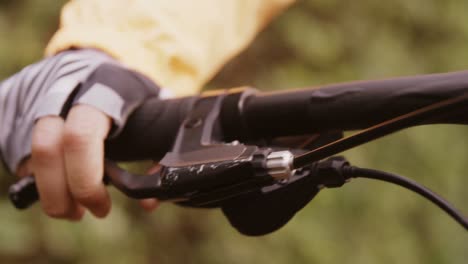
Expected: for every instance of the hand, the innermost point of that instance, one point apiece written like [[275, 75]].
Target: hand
[[67, 161], [69, 104]]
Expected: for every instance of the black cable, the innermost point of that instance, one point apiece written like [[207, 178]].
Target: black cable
[[414, 118], [355, 172]]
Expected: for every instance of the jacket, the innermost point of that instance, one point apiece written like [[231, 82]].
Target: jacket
[[180, 45]]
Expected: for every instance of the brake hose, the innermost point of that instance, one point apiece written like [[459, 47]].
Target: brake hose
[[393, 125], [336, 171], [342, 171], [356, 172]]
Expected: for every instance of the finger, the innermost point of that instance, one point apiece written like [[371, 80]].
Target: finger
[[150, 205], [24, 168], [49, 169], [78, 213], [85, 131]]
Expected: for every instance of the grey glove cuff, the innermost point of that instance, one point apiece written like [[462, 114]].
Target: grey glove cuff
[[52, 85], [116, 91]]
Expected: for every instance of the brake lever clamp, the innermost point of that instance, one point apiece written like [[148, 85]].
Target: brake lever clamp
[[201, 169]]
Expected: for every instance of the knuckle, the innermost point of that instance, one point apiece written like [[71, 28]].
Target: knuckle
[[85, 194], [75, 137], [45, 148]]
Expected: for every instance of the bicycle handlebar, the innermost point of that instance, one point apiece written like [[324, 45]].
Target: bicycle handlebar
[[349, 106], [151, 129], [158, 127]]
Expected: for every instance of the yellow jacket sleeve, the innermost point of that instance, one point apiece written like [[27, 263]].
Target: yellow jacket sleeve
[[179, 44]]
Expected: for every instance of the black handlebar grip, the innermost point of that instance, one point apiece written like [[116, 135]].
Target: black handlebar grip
[[150, 131], [350, 106], [23, 193], [148, 134]]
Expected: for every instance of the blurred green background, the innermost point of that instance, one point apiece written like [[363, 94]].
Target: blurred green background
[[313, 43]]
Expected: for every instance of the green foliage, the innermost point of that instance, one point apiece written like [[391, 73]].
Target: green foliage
[[25, 27], [315, 42]]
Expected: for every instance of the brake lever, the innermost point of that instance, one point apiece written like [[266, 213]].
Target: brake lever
[[206, 183], [200, 168]]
